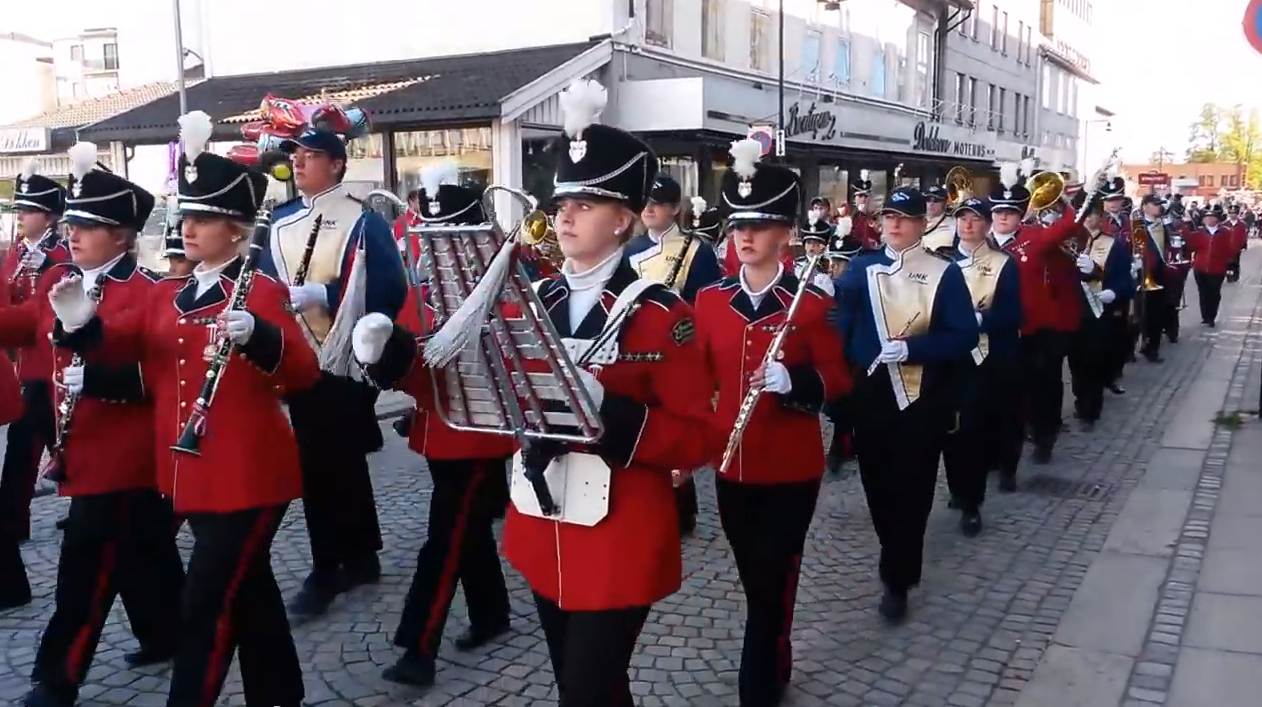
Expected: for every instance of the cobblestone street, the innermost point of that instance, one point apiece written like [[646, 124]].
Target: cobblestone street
[[980, 624]]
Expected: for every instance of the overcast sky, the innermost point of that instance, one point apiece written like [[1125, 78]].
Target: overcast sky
[[1160, 60]]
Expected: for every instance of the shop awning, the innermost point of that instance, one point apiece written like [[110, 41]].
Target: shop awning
[[450, 90]]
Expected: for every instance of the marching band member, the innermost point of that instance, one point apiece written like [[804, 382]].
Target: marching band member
[[39, 202], [467, 468], [1105, 266], [1212, 248], [354, 268], [908, 324], [119, 536], [766, 500], [594, 584], [940, 238], [988, 433], [841, 251], [178, 264], [1240, 239], [234, 490], [1171, 214], [863, 225], [681, 261], [815, 233], [1036, 249]]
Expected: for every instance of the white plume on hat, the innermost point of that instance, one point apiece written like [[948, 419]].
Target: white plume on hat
[[1110, 173], [863, 174], [29, 168], [435, 175], [1009, 174], [813, 218], [1027, 166], [173, 210], [745, 156], [82, 158], [698, 205], [845, 225], [582, 102], [195, 130]]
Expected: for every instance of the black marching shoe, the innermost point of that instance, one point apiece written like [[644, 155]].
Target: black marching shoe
[[369, 572], [43, 695], [1173, 336], [971, 524], [893, 606], [312, 601], [1115, 389], [61, 524], [954, 503], [17, 597], [149, 655], [687, 524], [1087, 425], [475, 637], [411, 670], [1007, 481], [1042, 453]]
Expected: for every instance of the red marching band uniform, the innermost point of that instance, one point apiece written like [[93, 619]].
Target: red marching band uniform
[[234, 487], [120, 534], [467, 468], [1213, 247], [767, 493], [863, 223]]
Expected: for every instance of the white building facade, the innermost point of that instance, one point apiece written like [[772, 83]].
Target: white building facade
[[28, 77]]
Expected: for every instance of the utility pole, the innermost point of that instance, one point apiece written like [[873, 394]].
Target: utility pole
[[780, 131], [179, 57]]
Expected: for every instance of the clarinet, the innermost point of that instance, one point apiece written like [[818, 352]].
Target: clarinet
[[190, 440], [55, 468], [679, 262], [301, 277]]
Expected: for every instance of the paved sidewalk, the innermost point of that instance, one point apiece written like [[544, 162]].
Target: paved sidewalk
[[1170, 612], [1055, 604]]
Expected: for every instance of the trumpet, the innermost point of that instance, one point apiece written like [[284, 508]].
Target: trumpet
[[539, 233], [1139, 251]]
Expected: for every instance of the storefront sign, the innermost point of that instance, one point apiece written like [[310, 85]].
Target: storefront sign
[[819, 124], [1153, 179], [927, 138], [15, 140]]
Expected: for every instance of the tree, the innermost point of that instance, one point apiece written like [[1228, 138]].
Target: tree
[[1161, 156], [1205, 140], [1229, 134]]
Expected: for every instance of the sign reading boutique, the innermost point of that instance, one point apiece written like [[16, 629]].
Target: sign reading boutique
[[927, 137]]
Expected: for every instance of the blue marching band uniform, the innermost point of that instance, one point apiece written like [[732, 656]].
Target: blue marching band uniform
[[340, 261]]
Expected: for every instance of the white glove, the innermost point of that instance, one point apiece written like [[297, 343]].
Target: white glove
[[33, 259], [305, 297], [776, 378], [239, 326], [71, 304], [72, 378], [893, 352], [369, 337], [1085, 265], [979, 318], [1107, 296], [593, 386]]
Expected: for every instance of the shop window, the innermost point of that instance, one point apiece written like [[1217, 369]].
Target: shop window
[[841, 63], [111, 57], [712, 29], [834, 184], [810, 56], [470, 148], [658, 20]]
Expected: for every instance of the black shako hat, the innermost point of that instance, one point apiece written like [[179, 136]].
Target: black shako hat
[[1115, 189], [665, 190], [863, 185], [1010, 193], [705, 222], [759, 192], [98, 196], [444, 201], [815, 230], [596, 160], [213, 184], [36, 192], [936, 192]]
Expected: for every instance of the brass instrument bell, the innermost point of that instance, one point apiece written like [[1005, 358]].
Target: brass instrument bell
[[959, 184], [1046, 189], [1139, 250], [538, 233]]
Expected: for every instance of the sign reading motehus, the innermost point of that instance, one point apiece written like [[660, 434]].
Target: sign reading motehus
[[927, 137]]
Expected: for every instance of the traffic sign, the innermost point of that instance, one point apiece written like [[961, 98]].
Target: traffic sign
[[1153, 179], [765, 137], [1253, 24], [779, 143]]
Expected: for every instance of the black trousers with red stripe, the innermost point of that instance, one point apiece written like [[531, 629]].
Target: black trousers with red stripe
[[28, 437], [232, 604], [591, 652], [766, 526], [115, 543], [469, 494]]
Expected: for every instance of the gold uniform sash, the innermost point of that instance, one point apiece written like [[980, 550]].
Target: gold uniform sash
[[657, 261], [941, 237], [1158, 232], [981, 273], [291, 236], [901, 295]]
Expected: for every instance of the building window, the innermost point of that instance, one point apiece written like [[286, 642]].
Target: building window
[[994, 27], [1029, 46], [712, 29], [1002, 100], [759, 39], [972, 102], [1047, 87], [961, 82], [991, 95], [111, 55], [1073, 96], [1222, 180], [810, 56], [962, 28], [658, 18], [76, 53], [1025, 126], [924, 67], [877, 83], [1016, 114], [1003, 35], [1235, 180], [841, 63]]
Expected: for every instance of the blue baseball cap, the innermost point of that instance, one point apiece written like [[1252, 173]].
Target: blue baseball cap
[[905, 201], [318, 140], [978, 206]]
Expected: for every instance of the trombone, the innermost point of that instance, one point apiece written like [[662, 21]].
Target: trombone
[[959, 184]]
